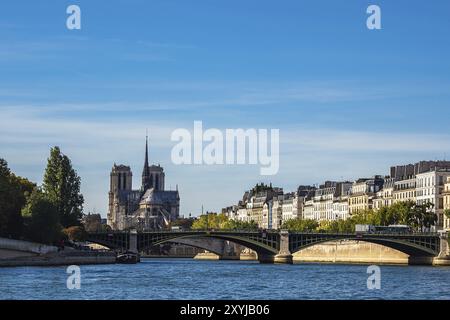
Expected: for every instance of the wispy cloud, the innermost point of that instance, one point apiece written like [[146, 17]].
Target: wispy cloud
[[195, 95], [361, 141], [62, 48]]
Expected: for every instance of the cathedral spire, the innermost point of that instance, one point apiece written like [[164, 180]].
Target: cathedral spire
[[146, 171], [146, 153]]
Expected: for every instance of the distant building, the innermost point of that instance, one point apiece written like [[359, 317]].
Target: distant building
[[149, 208], [430, 189], [446, 195], [363, 192], [405, 190], [340, 201], [256, 205], [289, 209], [328, 202], [422, 182], [385, 197], [266, 221], [242, 214], [231, 212], [277, 212], [408, 171]]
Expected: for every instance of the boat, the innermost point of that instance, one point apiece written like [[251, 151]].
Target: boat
[[128, 258]]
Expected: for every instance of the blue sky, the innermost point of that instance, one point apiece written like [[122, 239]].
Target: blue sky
[[349, 102]]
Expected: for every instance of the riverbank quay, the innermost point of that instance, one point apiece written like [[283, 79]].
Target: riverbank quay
[[19, 253]]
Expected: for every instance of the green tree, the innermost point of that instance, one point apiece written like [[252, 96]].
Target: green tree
[[240, 225], [422, 216], [346, 226], [62, 186], [399, 213], [301, 225], [366, 217], [13, 192], [221, 222], [41, 219], [210, 221]]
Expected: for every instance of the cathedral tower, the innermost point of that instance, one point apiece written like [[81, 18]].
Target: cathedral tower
[[120, 183]]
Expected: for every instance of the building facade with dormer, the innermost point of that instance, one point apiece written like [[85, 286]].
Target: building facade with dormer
[[446, 195]]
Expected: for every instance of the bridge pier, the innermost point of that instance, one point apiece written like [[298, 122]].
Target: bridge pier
[[266, 258], [445, 250], [443, 259], [132, 244], [420, 261], [284, 256]]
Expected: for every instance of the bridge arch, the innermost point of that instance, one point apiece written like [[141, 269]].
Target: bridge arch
[[255, 244], [111, 240], [420, 247], [209, 244]]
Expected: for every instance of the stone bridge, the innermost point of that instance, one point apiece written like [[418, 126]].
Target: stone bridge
[[273, 246]]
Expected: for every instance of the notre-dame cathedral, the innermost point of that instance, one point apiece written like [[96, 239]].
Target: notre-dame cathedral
[[149, 208]]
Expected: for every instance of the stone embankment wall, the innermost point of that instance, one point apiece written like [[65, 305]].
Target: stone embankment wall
[[351, 252], [14, 253], [343, 252]]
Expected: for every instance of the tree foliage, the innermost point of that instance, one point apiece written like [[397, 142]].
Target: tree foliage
[[221, 222], [62, 187], [13, 193], [301, 225], [240, 225], [41, 219], [210, 221]]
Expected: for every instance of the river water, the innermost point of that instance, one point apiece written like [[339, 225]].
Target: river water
[[223, 280]]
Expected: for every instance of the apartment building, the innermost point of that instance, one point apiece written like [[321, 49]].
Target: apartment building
[[363, 192], [422, 182], [430, 189], [385, 197], [446, 195], [328, 202], [405, 190]]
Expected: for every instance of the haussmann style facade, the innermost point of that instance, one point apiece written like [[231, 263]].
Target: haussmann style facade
[[421, 183]]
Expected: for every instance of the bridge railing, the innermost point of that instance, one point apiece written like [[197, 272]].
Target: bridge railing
[[191, 231], [429, 234]]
